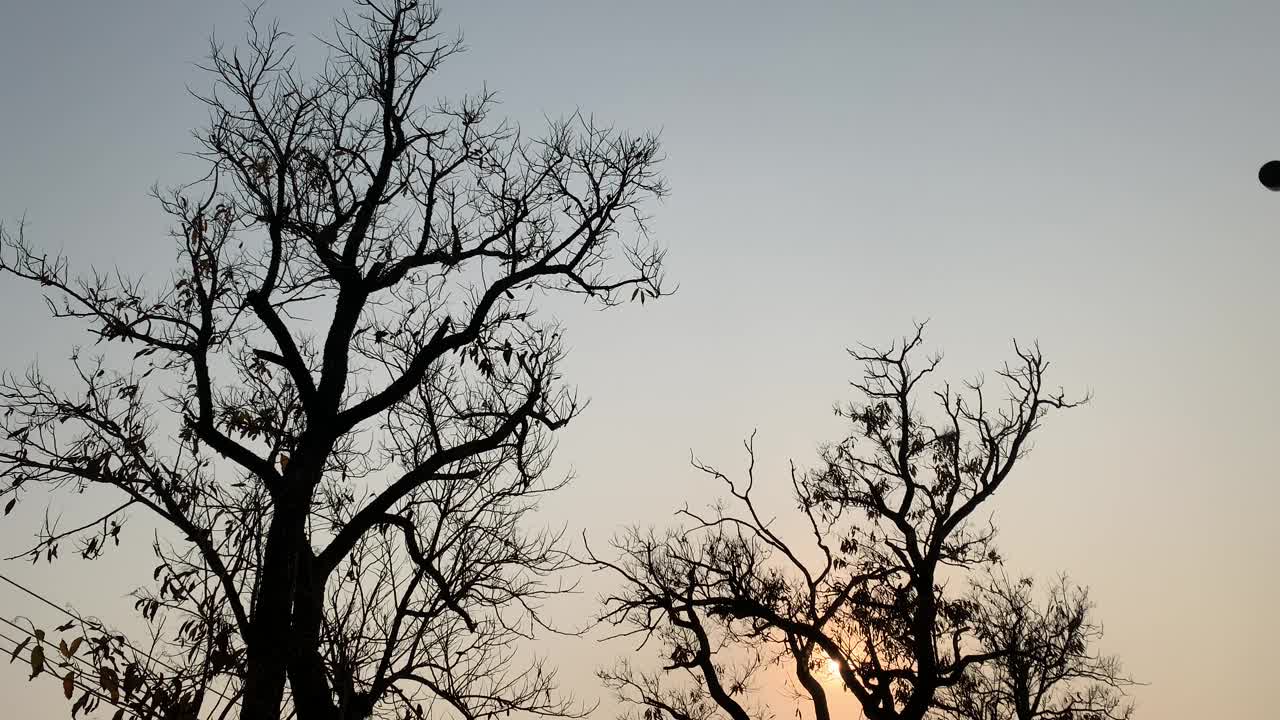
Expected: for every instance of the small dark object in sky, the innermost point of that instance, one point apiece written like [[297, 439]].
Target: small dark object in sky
[[1269, 175]]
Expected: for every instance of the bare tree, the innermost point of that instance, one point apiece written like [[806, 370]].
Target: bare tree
[[1047, 667], [339, 410], [863, 603]]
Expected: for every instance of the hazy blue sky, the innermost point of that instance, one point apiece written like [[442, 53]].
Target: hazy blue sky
[[1082, 173]]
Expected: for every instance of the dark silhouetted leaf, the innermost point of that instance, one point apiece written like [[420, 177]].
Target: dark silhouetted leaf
[[37, 661], [84, 700], [18, 650], [109, 682]]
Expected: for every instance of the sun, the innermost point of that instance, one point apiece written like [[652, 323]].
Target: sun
[[833, 667], [829, 670]]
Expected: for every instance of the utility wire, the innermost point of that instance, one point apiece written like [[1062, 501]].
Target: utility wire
[[73, 660], [77, 618], [77, 682], [77, 679]]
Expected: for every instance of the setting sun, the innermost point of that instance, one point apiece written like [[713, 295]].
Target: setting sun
[[430, 360]]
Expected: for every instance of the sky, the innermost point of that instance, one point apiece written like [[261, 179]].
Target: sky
[[1082, 174]]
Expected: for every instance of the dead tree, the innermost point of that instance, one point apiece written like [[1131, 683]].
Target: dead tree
[[896, 519], [340, 407]]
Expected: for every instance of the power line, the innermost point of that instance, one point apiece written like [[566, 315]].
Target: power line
[[70, 661], [77, 679], [77, 682], [32, 635], [79, 619]]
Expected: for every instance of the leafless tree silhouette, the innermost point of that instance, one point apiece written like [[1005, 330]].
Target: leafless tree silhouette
[[340, 409], [1048, 668], [894, 523]]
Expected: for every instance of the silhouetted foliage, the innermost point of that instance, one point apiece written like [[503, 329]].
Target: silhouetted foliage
[[895, 525], [339, 410], [1048, 668]]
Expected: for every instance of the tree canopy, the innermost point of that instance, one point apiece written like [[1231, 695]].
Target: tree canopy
[[339, 409], [875, 595]]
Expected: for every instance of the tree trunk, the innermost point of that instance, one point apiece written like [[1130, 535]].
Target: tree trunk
[[270, 623], [926, 617], [311, 693]]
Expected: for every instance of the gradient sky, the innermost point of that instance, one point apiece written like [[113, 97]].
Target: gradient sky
[[1079, 173]]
